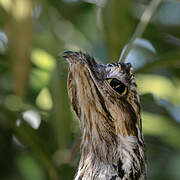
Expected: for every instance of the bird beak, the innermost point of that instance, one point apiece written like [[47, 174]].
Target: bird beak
[[71, 57], [79, 57], [65, 54]]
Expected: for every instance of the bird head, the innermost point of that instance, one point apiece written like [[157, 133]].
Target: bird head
[[106, 92]]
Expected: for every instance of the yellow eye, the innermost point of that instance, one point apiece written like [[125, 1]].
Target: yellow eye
[[125, 91], [118, 86]]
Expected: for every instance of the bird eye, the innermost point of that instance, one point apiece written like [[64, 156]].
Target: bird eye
[[118, 86]]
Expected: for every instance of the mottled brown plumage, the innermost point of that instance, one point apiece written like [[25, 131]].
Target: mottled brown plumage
[[107, 104]]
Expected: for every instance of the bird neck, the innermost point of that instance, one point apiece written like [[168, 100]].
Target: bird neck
[[106, 155]]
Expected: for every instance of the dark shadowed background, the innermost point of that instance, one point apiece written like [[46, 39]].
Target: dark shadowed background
[[39, 133]]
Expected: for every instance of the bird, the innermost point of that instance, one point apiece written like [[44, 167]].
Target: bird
[[107, 104]]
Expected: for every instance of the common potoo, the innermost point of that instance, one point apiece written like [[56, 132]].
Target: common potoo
[[106, 101]]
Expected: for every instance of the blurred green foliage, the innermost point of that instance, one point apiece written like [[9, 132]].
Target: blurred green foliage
[[39, 133]]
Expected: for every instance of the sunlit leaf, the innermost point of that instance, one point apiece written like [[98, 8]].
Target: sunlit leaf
[[43, 60], [44, 100], [161, 127], [160, 86], [39, 79]]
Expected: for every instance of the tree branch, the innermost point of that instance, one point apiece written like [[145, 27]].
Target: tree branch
[[145, 18]]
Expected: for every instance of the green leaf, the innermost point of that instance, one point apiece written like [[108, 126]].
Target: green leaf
[[170, 60], [152, 104]]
